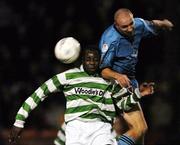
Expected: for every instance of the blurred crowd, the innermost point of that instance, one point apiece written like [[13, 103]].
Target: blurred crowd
[[30, 29]]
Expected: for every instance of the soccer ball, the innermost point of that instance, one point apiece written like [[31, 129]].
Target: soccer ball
[[67, 50]]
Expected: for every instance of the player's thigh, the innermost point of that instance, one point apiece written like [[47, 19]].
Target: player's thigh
[[135, 117], [120, 125]]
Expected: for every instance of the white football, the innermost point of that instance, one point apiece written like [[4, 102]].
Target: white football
[[67, 50]]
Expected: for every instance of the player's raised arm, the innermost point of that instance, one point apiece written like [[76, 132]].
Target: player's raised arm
[[30, 104], [163, 24]]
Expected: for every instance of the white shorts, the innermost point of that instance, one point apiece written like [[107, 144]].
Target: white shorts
[[89, 133]]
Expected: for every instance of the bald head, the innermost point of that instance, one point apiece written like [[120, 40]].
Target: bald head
[[122, 12], [123, 19]]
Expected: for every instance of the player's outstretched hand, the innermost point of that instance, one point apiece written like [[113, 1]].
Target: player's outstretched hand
[[168, 24], [14, 134], [146, 88], [163, 24]]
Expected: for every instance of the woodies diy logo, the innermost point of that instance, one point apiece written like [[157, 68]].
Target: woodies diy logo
[[94, 92]]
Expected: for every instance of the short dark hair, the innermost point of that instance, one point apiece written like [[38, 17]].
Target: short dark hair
[[90, 48]]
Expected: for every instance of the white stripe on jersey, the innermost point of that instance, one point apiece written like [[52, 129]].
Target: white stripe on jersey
[[87, 80], [40, 93], [62, 76], [50, 85], [19, 123], [31, 103], [77, 103], [61, 135], [120, 93], [23, 112]]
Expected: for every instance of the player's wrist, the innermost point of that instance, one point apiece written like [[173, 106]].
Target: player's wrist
[[137, 93], [19, 123], [117, 75]]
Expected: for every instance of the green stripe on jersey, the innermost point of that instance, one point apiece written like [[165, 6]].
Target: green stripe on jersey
[[117, 88], [94, 116], [93, 98], [61, 142], [56, 82], [45, 89], [20, 117], [75, 75], [109, 113], [26, 107], [62, 130], [80, 109], [135, 97], [35, 98]]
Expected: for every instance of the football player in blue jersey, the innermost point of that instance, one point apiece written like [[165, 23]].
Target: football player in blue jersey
[[119, 45]]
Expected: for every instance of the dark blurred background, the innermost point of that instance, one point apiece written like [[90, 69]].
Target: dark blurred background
[[29, 31]]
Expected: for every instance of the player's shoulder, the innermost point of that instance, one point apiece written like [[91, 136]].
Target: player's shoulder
[[108, 32], [139, 21], [68, 75], [110, 35]]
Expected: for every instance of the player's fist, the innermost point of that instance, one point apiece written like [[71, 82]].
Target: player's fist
[[168, 24], [146, 88], [163, 24], [14, 134]]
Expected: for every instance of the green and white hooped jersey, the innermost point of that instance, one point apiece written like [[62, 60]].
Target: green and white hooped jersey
[[88, 98]]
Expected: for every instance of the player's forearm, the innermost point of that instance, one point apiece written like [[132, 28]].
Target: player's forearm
[[23, 113], [109, 74], [122, 79], [163, 24]]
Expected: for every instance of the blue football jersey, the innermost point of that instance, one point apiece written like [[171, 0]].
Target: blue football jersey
[[119, 52]]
